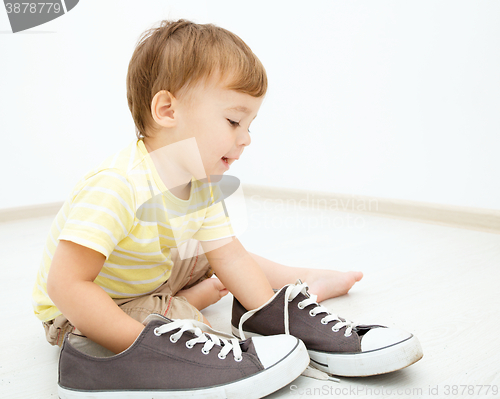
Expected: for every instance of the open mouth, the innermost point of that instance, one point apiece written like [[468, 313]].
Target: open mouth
[[224, 159]]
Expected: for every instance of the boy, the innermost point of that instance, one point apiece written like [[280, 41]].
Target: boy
[[141, 234]]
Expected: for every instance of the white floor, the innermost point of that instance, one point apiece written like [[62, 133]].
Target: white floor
[[438, 282]]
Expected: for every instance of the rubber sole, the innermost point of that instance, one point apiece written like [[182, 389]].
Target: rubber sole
[[381, 361], [364, 364], [256, 386]]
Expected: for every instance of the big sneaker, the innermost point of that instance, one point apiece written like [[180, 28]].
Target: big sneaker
[[179, 359], [336, 345]]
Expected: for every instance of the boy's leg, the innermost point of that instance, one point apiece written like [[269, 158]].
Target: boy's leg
[[322, 282], [186, 273]]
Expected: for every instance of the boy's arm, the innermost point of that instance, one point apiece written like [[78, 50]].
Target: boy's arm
[[238, 271], [70, 285]]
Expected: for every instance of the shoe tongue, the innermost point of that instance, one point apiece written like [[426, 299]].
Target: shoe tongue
[[248, 346], [156, 317], [304, 291]]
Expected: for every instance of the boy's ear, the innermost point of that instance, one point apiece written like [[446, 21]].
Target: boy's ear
[[163, 108]]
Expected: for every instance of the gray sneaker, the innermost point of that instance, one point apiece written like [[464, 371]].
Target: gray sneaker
[[335, 345], [175, 359]]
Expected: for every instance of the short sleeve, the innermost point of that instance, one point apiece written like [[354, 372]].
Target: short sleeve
[[102, 212], [216, 224]]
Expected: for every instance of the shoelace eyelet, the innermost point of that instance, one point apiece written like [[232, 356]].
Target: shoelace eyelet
[[205, 352], [238, 359], [323, 321], [221, 357], [172, 339], [335, 329], [300, 306], [188, 345], [347, 335], [156, 332], [311, 313]]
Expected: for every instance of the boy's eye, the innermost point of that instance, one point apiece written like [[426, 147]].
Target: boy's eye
[[235, 124]]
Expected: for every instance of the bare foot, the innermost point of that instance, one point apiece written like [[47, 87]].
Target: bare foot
[[330, 283], [204, 294]]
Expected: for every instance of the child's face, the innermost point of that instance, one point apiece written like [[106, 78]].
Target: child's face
[[219, 119]]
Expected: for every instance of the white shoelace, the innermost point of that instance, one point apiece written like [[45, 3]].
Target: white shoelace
[[209, 340], [290, 294]]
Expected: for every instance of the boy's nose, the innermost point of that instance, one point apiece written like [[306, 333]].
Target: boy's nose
[[244, 138]]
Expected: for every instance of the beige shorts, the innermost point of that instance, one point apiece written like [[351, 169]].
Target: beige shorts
[[185, 274]]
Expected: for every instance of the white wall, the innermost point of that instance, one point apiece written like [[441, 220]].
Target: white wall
[[396, 99]]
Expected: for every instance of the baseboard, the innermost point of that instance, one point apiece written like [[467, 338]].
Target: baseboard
[[32, 211], [487, 220]]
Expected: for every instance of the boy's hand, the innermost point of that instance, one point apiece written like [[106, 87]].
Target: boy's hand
[[70, 285], [204, 294]]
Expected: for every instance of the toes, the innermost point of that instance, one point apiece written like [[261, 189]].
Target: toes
[[357, 276], [352, 278]]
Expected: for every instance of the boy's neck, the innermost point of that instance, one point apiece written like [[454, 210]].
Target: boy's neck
[[176, 164]]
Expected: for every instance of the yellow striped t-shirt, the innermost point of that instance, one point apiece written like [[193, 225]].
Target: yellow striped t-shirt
[[123, 210]]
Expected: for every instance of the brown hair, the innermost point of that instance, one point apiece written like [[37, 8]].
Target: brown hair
[[179, 54]]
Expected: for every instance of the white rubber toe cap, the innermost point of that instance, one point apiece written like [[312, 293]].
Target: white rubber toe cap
[[273, 348], [381, 337]]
